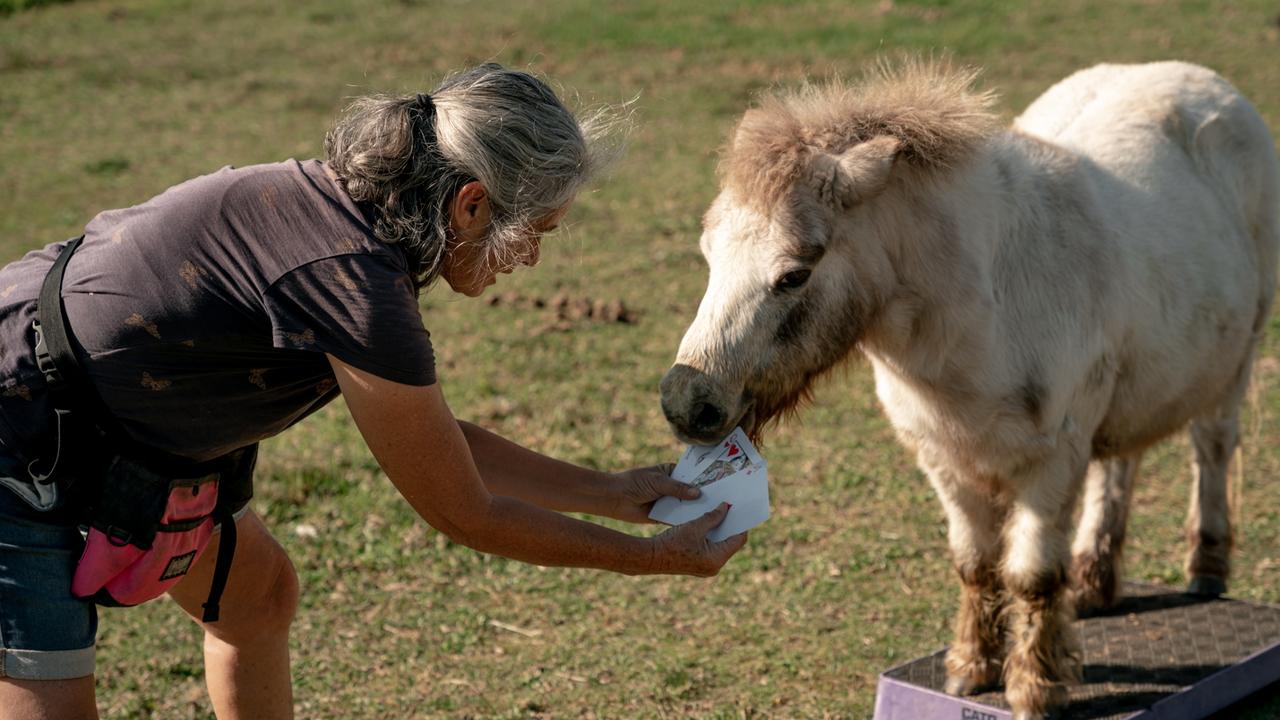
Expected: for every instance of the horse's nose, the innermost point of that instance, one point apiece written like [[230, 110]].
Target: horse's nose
[[706, 418], [693, 403]]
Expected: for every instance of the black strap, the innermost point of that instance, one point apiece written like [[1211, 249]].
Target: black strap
[[77, 404], [222, 566], [55, 358], [53, 347], [74, 398]]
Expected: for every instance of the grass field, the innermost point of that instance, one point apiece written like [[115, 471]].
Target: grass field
[[103, 104]]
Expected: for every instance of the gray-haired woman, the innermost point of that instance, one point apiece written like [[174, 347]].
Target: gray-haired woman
[[231, 306]]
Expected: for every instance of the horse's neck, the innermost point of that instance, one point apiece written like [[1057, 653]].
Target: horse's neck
[[944, 323]]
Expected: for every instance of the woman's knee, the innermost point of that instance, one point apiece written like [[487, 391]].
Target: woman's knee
[[261, 595], [266, 605], [280, 597]]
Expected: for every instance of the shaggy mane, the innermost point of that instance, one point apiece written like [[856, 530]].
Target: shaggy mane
[[928, 105]]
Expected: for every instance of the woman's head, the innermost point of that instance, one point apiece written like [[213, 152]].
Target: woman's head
[[476, 254], [467, 179]]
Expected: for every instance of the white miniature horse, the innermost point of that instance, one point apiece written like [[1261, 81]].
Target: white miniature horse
[[1040, 305]]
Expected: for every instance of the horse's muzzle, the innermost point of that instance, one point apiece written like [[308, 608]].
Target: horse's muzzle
[[698, 408]]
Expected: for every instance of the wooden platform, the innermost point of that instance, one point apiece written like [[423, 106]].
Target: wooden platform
[[1158, 654]]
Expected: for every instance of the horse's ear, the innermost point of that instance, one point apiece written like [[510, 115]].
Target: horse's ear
[[857, 174]]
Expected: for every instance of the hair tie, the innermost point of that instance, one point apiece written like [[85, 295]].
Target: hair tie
[[422, 115]]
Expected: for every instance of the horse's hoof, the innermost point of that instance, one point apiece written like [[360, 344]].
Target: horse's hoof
[[1207, 586], [963, 687], [1089, 602], [1051, 714], [958, 686]]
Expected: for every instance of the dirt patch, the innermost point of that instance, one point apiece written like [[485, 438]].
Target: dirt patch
[[565, 310]]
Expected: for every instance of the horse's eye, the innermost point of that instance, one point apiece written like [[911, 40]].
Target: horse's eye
[[792, 280]]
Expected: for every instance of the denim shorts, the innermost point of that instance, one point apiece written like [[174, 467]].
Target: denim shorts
[[45, 632]]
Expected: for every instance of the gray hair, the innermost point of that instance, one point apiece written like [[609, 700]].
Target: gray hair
[[407, 156]]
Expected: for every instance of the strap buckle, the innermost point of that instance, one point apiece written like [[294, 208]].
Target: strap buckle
[[44, 361]]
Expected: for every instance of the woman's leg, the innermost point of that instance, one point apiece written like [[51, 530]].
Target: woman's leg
[[46, 635], [246, 652], [48, 699]]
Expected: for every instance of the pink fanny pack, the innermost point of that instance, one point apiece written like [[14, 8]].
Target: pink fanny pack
[[148, 528]]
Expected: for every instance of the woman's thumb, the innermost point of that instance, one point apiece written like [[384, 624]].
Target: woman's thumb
[[713, 518], [675, 488]]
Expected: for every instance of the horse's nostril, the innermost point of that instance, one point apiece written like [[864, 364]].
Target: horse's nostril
[[707, 417], [667, 412]]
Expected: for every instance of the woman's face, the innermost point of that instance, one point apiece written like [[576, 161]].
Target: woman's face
[[470, 265]]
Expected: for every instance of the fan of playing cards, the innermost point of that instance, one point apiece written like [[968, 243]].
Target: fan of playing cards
[[731, 471]]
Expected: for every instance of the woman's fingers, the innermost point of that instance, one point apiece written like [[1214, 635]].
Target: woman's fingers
[[685, 549], [708, 522], [654, 482], [730, 545], [675, 488]]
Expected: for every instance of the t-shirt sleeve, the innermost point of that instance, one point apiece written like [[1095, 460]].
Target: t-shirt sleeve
[[359, 308]]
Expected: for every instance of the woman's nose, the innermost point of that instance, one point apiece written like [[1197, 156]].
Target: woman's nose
[[534, 254]]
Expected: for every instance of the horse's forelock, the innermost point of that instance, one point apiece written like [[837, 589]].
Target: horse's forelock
[[763, 159], [931, 107]]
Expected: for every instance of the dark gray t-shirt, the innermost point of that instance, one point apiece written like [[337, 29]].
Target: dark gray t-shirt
[[204, 314]]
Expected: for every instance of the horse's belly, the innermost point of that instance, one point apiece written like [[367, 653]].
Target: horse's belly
[[1148, 407]]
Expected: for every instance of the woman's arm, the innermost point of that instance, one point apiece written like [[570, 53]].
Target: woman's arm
[[515, 471], [420, 446]]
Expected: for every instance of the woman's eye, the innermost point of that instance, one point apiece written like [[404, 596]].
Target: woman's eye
[[792, 280]]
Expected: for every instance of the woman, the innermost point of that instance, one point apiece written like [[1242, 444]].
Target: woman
[[231, 306]]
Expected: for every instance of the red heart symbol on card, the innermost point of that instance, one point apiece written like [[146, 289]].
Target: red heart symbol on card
[[733, 450]]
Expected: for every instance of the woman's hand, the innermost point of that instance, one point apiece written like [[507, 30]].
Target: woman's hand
[[685, 549], [635, 491]]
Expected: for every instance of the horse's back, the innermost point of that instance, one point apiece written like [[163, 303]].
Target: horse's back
[[1132, 105], [1176, 154], [1182, 174], [1158, 126]]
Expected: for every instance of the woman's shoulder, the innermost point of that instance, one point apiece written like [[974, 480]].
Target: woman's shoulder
[[266, 185], [302, 215], [231, 193]]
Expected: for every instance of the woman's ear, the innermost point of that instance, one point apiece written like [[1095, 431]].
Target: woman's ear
[[469, 212]]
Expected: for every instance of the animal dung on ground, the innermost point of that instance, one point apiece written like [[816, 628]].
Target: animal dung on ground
[[568, 308]]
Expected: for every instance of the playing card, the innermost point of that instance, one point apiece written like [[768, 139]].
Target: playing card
[[730, 471], [750, 500], [746, 491], [732, 450], [686, 468]]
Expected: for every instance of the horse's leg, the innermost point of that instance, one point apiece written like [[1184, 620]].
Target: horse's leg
[[1044, 652], [1095, 566], [973, 532], [1215, 437]]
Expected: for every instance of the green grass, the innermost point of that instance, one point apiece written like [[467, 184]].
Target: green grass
[[105, 104]]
